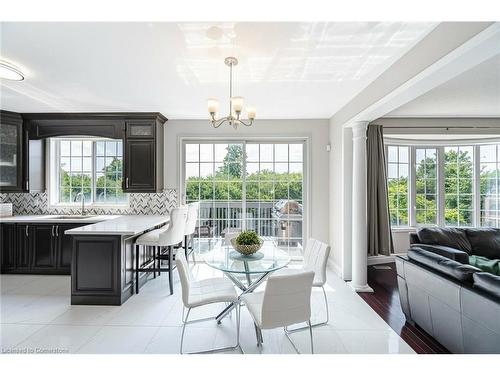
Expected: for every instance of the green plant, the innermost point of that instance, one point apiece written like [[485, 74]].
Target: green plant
[[247, 237]]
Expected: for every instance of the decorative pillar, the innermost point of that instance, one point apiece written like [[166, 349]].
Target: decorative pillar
[[359, 215]]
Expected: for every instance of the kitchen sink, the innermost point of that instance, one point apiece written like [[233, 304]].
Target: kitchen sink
[[69, 217]]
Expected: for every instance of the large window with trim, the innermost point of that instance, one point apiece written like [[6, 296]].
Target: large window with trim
[[92, 167], [247, 185], [445, 184]]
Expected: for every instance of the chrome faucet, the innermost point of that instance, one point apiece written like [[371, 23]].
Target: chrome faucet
[[83, 201]]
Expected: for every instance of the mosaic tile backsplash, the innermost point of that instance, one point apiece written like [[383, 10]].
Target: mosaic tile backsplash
[[139, 204]]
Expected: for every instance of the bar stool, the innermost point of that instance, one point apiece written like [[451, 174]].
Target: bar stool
[[163, 241], [192, 218]]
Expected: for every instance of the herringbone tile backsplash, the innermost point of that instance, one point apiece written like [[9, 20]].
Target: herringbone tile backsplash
[[139, 204]]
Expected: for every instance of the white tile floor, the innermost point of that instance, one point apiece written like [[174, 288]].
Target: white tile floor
[[36, 316]]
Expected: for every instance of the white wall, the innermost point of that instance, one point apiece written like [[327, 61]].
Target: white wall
[[340, 197], [316, 131]]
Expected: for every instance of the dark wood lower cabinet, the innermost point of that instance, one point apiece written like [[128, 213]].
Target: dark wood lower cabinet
[[23, 248], [111, 260], [36, 248], [8, 245], [43, 248], [65, 247]]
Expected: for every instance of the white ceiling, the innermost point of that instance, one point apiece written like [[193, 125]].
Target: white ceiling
[[286, 70], [475, 93]]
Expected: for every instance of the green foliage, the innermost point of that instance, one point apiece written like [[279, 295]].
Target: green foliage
[[247, 237], [109, 182], [227, 183]]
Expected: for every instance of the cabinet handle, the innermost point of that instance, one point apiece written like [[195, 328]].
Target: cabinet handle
[[53, 227], [26, 231], [27, 185], [126, 182], [57, 231]]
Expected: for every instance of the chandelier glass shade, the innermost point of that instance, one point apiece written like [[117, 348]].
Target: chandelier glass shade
[[235, 104]]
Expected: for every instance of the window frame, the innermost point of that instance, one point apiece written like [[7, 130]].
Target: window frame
[[54, 175], [305, 141], [440, 147]]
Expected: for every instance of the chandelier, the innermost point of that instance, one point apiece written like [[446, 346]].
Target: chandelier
[[235, 104]]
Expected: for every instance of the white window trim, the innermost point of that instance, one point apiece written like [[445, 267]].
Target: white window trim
[[52, 178], [440, 145], [183, 139]]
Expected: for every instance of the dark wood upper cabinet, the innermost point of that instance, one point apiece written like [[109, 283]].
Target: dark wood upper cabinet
[[12, 152], [141, 133], [143, 156], [139, 169], [140, 129]]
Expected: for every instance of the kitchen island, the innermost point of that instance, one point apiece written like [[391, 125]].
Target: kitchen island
[[102, 266]]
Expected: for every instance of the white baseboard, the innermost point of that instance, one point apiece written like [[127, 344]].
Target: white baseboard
[[335, 268]]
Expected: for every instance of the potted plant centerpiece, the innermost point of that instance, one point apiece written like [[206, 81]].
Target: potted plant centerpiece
[[247, 243]]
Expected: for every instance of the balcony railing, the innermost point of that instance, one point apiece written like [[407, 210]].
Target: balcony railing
[[217, 217]]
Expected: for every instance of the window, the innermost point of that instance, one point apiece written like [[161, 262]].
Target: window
[[458, 185], [397, 179], [426, 186], [489, 156], [449, 185], [240, 184], [90, 167]]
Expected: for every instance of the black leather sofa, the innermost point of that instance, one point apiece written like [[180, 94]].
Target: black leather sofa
[[456, 303]]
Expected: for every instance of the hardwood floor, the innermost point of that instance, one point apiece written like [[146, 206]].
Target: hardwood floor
[[385, 301]]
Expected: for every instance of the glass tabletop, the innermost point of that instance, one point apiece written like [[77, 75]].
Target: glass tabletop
[[268, 259]]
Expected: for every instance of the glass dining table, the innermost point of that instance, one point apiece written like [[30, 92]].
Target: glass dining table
[[246, 272]]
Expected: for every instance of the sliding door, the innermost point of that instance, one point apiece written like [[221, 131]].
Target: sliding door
[[247, 186]]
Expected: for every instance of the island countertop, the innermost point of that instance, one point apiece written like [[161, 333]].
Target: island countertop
[[126, 225]]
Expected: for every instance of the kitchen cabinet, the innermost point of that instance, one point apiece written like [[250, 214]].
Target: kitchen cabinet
[[22, 161], [22, 247], [64, 247], [8, 245], [12, 153], [143, 156], [37, 248], [139, 165], [142, 135], [44, 246]]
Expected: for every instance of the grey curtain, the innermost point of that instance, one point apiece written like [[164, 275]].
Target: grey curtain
[[379, 226]]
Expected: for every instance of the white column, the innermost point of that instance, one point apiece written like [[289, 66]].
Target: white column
[[359, 216]]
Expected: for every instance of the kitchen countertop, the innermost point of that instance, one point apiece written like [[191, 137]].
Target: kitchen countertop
[[56, 219], [129, 225]]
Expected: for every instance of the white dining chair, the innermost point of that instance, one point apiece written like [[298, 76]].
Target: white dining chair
[[316, 256], [286, 300], [163, 241], [228, 236], [202, 293], [190, 228]]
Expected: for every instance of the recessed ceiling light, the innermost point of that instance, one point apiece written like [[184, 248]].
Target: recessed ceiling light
[[8, 71]]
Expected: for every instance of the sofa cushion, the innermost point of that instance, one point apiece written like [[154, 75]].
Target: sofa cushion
[[450, 237], [484, 242], [448, 252], [451, 268], [488, 283]]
